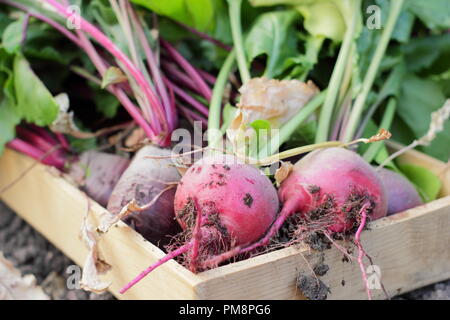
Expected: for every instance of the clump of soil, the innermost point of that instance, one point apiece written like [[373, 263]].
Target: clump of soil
[[312, 288]]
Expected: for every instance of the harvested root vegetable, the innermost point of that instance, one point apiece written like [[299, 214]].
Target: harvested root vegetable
[[335, 182], [401, 194], [98, 173], [220, 203], [149, 182], [328, 191]]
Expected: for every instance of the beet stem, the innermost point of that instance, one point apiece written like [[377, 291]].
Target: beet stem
[[361, 251], [289, 207], [163, 260]]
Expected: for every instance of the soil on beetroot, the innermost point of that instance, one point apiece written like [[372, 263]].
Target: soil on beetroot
[[31, 253]]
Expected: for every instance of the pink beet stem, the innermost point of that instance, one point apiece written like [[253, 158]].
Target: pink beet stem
[[192, 115], [62, 140], [288, 208], [207, 76], [119, 55], [360, 248], [179, 77], [154, 69], [41, 144], [44, 134], [29, 150], [189, 99], [166, 258], [190, 70]]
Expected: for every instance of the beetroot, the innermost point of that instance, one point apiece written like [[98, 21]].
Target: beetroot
[[337, 180], [221, 203], [329, 190], [401, 194], [98, 173], [147, 180]]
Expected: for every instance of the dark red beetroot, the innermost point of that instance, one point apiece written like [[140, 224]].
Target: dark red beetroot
[[147, 180], [401, 194], [98, 173], [220, 203]]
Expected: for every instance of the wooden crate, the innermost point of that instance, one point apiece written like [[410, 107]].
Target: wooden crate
[[411, 248]]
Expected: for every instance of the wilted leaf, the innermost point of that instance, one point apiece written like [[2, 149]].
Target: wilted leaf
[[93, 266], [274, 100], [283, 172], [113, 76], [15, 287], [64, 122]]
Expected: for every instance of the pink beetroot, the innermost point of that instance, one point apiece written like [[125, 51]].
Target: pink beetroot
[[221, 203]]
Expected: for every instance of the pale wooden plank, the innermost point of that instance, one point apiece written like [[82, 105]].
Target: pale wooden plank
[[411, 249], [55, 208]]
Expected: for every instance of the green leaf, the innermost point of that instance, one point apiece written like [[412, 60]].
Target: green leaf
[[273, 34], [106, 103], [435, 14], [34, 102], [112, 76], [262, 129], [426, 52], [426, 182], [418, 99], [195, 13], [8, 121], [12, 36], [228, 114], [322, 18]]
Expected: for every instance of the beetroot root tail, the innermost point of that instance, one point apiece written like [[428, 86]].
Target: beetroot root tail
[[287, 210], [163, 260], [196, 238], [361, 251]]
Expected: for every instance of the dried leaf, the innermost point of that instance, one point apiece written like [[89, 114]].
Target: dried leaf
[[94, 266], [438, 118], [15, 287], [283, 172], [274, 100], [107, 219], [136, 137], [64, 121], [113, 76]]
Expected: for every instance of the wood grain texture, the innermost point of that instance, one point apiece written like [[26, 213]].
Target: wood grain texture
[[411, 248], [55, 208]]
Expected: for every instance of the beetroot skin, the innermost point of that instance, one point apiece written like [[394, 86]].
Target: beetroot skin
[[143, 181], [98, 172], [401, 194], [337, 176], [235, 198], [221, 203]]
